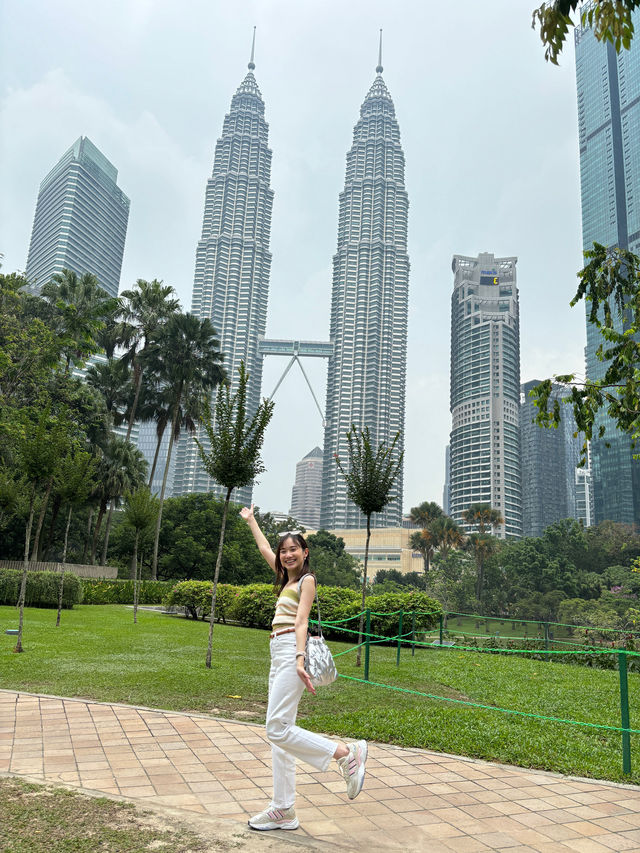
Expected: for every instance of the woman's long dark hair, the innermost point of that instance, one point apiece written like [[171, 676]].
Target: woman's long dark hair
[[282, 575]]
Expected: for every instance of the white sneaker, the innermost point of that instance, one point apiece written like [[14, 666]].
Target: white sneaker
[[275, 819], [352, 767]]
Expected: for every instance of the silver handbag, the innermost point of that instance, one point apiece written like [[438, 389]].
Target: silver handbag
[[318, 660]]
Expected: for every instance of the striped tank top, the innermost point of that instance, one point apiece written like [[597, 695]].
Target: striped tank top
[[287, 606]]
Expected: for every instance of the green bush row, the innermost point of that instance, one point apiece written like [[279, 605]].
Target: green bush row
[[254, 606], [121, 591], [42, 588]]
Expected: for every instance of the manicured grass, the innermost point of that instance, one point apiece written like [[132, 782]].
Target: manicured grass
[[38, 819], [98, 653]]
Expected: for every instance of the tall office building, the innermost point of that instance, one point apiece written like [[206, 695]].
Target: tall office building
[[80, 221], [147, 441], [609, 133], [307, 490], [485, 389], [549, 460], [233, 261], [446, 491], [366, 374]]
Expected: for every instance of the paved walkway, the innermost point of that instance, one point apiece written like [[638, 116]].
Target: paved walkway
[[412, 799]]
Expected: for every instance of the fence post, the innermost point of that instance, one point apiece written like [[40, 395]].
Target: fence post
[[366, 646], [399, 637], [413, 634], [546, 639], [624, 712], [441, 621]]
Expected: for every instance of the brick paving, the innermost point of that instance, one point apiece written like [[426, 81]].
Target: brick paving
[[412, 800]]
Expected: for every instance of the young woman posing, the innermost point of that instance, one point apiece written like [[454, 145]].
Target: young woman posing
[[288, 680]]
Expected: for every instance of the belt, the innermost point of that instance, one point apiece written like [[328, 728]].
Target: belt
[[281, 631]]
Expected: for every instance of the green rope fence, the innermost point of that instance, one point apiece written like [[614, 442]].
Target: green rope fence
[[368, 639]]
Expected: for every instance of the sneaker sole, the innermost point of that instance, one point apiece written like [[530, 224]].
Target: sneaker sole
[[289, 824], [361, 770]]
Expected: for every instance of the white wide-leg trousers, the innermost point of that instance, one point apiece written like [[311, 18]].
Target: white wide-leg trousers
[[289, 741]]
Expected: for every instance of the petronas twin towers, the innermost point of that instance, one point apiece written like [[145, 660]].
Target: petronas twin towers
[[367, 368]]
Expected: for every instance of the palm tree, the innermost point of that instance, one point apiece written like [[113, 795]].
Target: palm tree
[[425, 542], [80, 310], [148, 306], [122, 468], [482, 516], [483, 545], [185, 356], [370, 481], [140, 511], [448, 534]]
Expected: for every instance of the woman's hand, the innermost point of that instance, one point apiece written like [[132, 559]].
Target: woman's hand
[[304, 675], [247, 513]]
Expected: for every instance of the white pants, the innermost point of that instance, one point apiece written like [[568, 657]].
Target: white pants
[[289, 741]]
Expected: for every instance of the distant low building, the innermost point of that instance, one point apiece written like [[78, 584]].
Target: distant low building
[[388, 548], [306, 493]]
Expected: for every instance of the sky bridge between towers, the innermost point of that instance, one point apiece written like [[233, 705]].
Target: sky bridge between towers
[[296, 350]]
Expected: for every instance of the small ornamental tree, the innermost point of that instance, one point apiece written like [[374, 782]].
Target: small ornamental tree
[[370, 479], [140, 513], [233, 459]]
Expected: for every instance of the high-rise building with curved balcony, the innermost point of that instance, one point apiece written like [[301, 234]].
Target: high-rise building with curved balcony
[[485, 389], [367, 372], [233, 261]]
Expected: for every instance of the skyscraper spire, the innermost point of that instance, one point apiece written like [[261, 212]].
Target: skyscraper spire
[[233, 261], [252, 64], [366, 375], [380, 69]]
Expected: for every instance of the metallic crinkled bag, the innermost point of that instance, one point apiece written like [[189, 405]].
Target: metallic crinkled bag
[[318, 661]]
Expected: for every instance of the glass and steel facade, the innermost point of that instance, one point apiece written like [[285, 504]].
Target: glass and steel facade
[[485, 389], [80, 221], [608, 86], [233, 262], [549, 467], [367, 371]]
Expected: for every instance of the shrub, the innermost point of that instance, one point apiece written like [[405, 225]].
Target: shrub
[[195, 597], [254, 605], [121, 591], [42, 588], [427, 611]]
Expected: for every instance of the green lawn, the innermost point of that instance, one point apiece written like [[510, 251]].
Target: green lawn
[[98, 653]]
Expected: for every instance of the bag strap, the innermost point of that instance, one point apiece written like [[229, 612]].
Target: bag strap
[[317, 602]]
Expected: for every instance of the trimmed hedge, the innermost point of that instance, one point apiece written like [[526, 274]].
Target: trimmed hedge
[[121, 591], [195, 597], [42, 588], [254, 606]]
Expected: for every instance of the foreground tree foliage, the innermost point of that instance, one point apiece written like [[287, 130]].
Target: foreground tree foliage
[[610, 19], [610, 284], [233, 456], [370, 479]]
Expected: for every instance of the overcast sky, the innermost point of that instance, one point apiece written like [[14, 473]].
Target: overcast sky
[[489, 131]]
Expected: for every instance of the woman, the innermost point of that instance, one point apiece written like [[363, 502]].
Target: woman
[[288, 680]]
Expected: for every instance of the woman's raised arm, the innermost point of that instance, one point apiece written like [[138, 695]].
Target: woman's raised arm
[[261, 540]]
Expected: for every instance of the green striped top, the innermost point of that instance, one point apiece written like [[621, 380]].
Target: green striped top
[[287, 606]]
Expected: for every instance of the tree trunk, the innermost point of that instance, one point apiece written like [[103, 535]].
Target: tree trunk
[[154, 562], [134, 406], [364, 590], [43, 510], [155, 458], [88, 536], [134, 561], [25, 569], [107, 531], [64, 560], [96, 532], [55, 510], [480, 578], [216, 575]]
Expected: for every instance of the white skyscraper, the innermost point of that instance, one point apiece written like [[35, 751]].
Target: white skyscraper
[[485, 389], [367, 372], [233, 261]]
